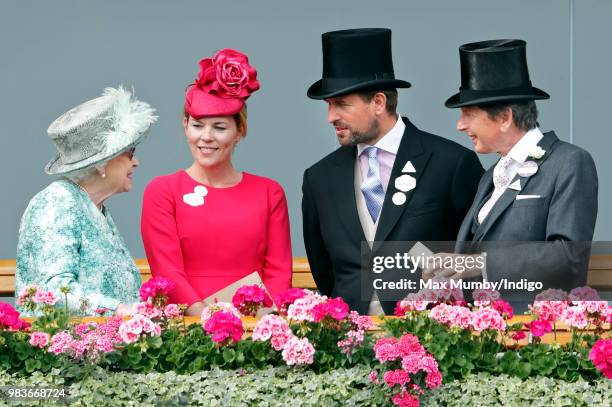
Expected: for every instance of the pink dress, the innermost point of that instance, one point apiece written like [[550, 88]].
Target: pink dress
[[205, 238]]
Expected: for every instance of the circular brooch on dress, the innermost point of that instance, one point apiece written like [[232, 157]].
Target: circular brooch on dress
[[196, 198]]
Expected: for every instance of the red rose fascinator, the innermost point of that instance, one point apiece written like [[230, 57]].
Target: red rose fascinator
[[224, 82]]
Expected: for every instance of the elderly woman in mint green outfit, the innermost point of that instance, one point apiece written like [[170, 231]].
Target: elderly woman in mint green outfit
[[67, 235]]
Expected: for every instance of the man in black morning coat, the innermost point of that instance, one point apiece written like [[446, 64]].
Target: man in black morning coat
[[388, 181]]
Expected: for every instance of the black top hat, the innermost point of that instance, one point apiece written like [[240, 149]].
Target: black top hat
[[494, 71], [356, 60]]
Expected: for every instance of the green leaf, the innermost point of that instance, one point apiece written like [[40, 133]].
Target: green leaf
[[229, 355]]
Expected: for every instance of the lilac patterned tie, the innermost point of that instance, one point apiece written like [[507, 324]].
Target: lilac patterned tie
[[371, 187]]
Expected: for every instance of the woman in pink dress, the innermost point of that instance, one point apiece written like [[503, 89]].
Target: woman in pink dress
[[210, 225]]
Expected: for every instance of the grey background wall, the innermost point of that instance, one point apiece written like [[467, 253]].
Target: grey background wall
[[57, 54]]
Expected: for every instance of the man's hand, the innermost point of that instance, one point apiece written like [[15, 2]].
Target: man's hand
[[463, 266]]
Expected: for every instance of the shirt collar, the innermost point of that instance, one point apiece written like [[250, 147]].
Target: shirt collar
[[390, 142], [520, 151]]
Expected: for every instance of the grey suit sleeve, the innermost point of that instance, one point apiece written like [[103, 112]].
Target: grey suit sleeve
[[318, 257]]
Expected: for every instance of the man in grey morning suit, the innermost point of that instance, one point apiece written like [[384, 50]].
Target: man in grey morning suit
[[541, 190]]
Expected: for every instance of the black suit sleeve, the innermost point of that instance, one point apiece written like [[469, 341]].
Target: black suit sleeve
[[465, 184], [318, 257]]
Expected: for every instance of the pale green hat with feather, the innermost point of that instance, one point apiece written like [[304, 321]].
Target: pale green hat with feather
[[98, 130]]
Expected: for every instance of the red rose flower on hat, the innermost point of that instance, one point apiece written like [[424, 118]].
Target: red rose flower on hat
[[224, 82], [228, 74]]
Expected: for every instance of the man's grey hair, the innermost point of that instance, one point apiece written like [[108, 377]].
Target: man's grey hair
[[86, 174], [524, 114]]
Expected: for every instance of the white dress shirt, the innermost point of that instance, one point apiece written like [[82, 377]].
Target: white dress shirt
[[518, 153]]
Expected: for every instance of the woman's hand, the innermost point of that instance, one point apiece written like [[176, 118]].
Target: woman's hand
[[195, 309], [124, 310]]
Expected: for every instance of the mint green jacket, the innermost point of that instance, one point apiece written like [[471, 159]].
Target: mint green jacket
[[65, 240]]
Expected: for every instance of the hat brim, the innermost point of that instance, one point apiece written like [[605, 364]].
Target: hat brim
[[203, 104], [57, 167], [455, 100], [318, 92]]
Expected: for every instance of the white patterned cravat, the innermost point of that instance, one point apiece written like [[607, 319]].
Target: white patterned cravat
[[371, 187], [500, 182], [500, 173]]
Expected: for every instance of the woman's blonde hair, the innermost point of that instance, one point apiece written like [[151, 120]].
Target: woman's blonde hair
[[240, 118]]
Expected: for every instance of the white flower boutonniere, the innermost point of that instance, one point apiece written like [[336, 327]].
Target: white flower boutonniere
[[537, 152]]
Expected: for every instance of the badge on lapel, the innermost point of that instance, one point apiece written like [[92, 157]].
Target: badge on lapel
[[404, 183], [196, 198]]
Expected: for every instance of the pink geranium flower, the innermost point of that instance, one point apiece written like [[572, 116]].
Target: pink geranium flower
[[131, 330], [288, 297], [488, 318], [575, 317], [45, 297], [386, 350], [298, 351], [414, 361], [540, 327], [405, 399], [249, 298], [217, 306], [156, 289], [396, 377], [335, 309], [549, 311], [273, 328], [224, 326], [10, 318], [60, 342], [39, 339], [147, 310], [504, 308], [601, 356], [172, 311], [301, 309]]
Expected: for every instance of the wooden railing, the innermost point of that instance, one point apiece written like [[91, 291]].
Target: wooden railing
[[599, 276]]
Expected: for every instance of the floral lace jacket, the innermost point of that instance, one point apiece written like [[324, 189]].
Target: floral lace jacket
[[64, 240]]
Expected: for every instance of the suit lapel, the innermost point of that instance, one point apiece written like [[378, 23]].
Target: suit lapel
[[410, 149], [500, 206], [509, 195], [484, 188], [343, 191]]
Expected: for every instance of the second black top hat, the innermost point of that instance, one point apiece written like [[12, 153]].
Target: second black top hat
[[494, 71], [356, 60]]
